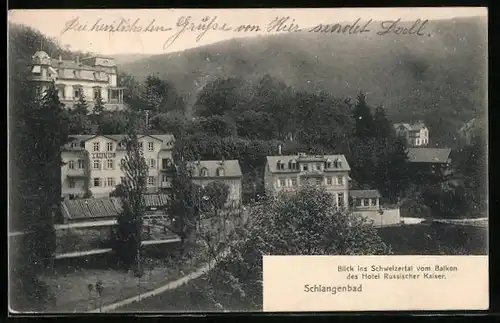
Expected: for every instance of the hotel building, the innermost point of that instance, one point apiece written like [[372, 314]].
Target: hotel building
[[92, 164], [416, 135], [287, 173], [89, 77], [228, 172]]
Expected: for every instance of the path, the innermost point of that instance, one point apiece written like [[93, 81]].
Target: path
[[170, 286]]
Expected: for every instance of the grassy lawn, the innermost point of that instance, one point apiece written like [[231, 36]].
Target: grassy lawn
[[68, 283], [193, 297]]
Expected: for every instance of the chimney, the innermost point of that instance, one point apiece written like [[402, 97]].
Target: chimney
[[279, 149]]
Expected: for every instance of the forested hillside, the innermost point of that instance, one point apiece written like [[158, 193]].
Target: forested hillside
[[440, 79]]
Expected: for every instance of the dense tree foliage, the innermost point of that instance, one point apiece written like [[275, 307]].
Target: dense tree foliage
[[128, 233], [302, 223]]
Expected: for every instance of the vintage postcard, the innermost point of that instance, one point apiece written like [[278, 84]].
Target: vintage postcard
[[229, 160]]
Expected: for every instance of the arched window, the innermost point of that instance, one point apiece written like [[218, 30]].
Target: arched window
[[204, 172], [220, 171], [292, 164]]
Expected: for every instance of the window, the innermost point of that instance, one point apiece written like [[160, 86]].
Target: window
[[329, 180], [152, 163], [96, 146], [141, 146], [97, 164], [97, 182], [97, 92], [81, 164], [220, 172], [109, 146], [122, 162], [305, 167], [318, 181], [164, 178], [280, 165], [77, 92], [294, 182], [71, 164], [122, 179], [151, 146], [60, 91], [71, 183], [110, 164], [328, 164], [111, 182], [165, 163], [282, 182], [340, 180], [318, 166], [151, 180], [340, 199], [204, 172], [358, 202], [367, 202]]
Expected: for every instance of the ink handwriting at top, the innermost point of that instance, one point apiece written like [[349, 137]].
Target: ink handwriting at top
[[121, 25], [186, 24]]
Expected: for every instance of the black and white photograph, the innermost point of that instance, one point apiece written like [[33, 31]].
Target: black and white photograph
[[155, 156]]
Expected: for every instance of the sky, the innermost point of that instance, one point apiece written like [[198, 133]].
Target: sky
[[73, 28]]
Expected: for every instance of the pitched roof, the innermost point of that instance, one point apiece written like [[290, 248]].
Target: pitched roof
[[398, 125], [366, 194], [107, 207], [272, 161], [68, 64], [418, 126], [231, 168], [166, 139], [428, 155]]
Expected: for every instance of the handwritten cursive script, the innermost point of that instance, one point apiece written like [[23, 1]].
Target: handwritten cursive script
[[121, 25], [186, 24], [210, 24]]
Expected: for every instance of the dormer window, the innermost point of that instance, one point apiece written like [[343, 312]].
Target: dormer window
[[36, 69], [73, 145], [328, 163], [220, 171], [204, 172], [280, 165], [336, 163], [292, 164]]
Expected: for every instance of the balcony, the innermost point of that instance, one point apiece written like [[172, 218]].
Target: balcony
[[76, 173]]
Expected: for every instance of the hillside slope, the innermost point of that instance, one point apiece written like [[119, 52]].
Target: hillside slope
[[407, 74]]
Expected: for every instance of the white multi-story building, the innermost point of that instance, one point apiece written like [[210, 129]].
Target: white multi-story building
[[289, 172], [89, 77], [92, 164], [204, 172], [416, 134]]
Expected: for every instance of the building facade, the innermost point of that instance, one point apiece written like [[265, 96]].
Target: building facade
[[416, 135], [287, 173], [92, 164], [228, 172], [90, 77]]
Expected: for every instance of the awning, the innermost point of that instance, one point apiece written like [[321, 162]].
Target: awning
[[36, 69]]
